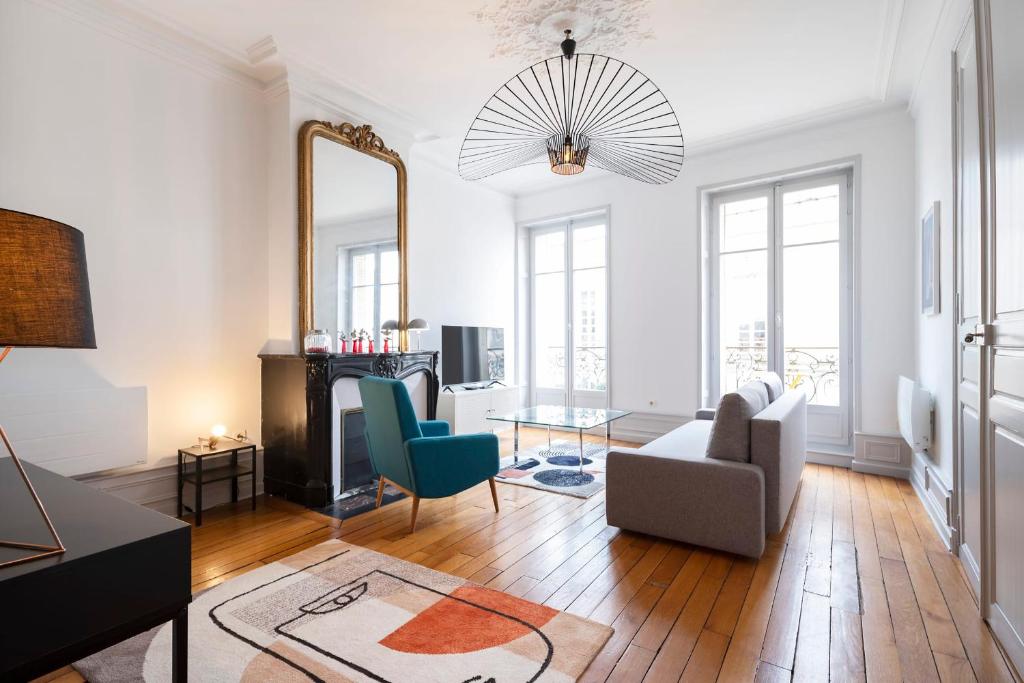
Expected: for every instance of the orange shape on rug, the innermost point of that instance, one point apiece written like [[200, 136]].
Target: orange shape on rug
[[451, 626]]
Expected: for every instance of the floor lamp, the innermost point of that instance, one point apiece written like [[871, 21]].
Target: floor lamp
[[44, 302]]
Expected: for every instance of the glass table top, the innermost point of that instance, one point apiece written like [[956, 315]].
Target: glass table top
[[560, 416]]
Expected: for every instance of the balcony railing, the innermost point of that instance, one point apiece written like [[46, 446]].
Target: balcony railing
[[815, 369]]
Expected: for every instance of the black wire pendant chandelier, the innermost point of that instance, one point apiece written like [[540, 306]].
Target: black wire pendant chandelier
[[572, 110]]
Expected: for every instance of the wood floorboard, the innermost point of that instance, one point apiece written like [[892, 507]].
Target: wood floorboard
[[856, 587]]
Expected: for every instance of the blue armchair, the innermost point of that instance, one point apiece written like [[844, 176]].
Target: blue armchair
[[421, 458]]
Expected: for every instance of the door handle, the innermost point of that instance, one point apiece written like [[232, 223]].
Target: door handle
[[978, 335], [969, 339]]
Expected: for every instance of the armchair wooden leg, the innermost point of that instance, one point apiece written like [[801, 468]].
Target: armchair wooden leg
[[494, 494], [380, 491], [415, 511]]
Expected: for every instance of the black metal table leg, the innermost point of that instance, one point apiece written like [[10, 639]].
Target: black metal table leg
[[179, 647], [181, 482], [234, 479], [199, 491], [253, 478]]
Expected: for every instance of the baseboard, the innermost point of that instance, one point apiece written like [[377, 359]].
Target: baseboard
[[884, 454], [830, 459], [936, 497], [645, 427], [156, 487]]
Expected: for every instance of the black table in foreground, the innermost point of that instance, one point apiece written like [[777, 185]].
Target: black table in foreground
[[127, 569]]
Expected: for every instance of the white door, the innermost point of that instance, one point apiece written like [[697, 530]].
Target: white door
[[779, 296], [967, 302], [569, 304], [1001, 53]]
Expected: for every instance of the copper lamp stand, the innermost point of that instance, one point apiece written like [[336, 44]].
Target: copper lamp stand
[[44, 550]]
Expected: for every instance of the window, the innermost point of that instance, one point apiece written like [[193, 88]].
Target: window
[[373, 287], [777, 296], [569, 312]]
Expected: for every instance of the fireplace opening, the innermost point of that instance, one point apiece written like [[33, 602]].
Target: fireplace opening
[[357, 472]]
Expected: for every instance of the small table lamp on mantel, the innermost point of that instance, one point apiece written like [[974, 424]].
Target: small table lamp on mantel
[[44, 301], [419, 326]]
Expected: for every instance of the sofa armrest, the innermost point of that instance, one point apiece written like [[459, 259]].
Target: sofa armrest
[[778, 445], [714, 503], [445, 465], [705, 414]]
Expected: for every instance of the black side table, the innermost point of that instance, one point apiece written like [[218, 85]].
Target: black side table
[[198, 476]]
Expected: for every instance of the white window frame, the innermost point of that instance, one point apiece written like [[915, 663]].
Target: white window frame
[[350, 254], [578, 397], [827, 425]]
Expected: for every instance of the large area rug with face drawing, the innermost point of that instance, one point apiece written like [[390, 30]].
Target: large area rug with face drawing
[[339, 612]]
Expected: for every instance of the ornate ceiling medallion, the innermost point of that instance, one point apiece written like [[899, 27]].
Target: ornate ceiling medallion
[[522, 29], [572, 110]]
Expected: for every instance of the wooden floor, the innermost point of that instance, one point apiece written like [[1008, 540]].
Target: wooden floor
[[857, 586]]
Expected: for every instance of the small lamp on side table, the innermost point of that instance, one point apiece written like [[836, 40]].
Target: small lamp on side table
[[44, 301], [419, 326]]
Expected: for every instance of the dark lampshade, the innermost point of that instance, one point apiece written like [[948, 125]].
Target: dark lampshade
[[44, 284]]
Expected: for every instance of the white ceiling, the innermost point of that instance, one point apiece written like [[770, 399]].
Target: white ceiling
[[727, 66]]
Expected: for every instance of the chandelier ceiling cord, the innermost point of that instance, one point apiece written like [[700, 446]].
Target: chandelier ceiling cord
[[575, 109]]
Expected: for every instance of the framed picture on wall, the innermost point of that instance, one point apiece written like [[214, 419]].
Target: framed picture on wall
[[930, 261]]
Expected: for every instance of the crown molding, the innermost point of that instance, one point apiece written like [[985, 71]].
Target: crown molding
[[947, 7], [329, 92], [822, 117], [158, 37], [891, 24]]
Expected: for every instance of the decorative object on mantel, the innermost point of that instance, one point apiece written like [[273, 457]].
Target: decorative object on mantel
[[341, 612], [419, 326], [317, 341], [342, 342], [388, 328], [571, 110], [930, 261], [44, 301]]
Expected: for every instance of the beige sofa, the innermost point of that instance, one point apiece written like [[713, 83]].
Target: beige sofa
[[668, 488]]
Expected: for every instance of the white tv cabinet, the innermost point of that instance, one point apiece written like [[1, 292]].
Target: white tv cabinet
[[467, 410]]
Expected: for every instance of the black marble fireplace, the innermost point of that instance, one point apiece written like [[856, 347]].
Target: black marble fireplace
[[298, 419]]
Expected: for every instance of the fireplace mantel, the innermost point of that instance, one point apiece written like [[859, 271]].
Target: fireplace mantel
[[297, 414]]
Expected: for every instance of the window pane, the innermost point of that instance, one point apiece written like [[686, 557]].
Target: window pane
[[549, 329], [549, 252], [363, 268], [388, 307], [588, 247], [743, 312], [811, 309], [362, 308], [388, 266], [810, 215], [590, 330], [743, 224]]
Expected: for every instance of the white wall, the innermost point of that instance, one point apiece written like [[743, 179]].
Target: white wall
[[461, 255], [655, 233], [934, 169], [162, 168]]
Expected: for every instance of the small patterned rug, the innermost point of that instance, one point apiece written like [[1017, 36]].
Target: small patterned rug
[[558, 468], [339, 612]]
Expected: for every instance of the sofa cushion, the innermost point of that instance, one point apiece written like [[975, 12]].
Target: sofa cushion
[[730, 430], [773, 383], [758, 392], [687, 442]]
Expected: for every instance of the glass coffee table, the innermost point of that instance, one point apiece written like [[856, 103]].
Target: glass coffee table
[[579, 419]]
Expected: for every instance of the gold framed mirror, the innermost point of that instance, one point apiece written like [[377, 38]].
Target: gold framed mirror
[[353, 271]]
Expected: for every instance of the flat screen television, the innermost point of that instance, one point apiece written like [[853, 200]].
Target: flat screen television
[[470, 355]]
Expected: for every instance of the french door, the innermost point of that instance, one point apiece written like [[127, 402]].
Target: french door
[[997, 339], [569, 312], [779, 297]]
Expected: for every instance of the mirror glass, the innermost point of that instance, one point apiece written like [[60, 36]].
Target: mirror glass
[[355, 242]]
